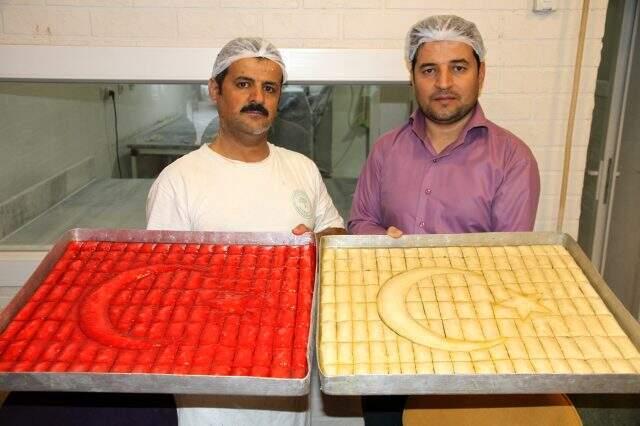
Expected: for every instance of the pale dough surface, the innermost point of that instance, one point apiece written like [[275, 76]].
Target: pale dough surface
[[535, 299]]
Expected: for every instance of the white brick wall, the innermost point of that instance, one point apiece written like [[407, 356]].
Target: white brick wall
[[135, 22], [343, 4], [530, 57], [197, 23], [279, 25], [59, 125], [49, 21]]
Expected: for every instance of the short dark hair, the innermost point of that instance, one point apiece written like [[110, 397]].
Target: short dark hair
[[415, 58], [220, 78]]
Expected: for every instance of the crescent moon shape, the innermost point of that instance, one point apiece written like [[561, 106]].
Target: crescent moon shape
[[393, 312], [93, 311]]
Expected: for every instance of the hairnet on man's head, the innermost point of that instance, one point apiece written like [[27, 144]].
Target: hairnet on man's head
[[246, 47], [444, 28]]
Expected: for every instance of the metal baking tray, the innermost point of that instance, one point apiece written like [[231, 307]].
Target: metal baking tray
[[422, 384], [154, 383]]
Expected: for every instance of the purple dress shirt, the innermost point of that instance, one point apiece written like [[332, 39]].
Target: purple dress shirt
[[487, 180]]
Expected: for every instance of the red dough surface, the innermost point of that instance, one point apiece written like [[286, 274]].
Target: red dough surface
[[241, 310]]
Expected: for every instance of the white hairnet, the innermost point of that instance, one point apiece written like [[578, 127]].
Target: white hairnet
[[444, 28], [246, 47]]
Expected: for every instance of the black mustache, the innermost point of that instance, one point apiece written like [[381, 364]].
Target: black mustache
[[252, 107]]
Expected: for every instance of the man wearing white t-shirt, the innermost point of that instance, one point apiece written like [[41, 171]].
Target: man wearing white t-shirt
[[241, 182]]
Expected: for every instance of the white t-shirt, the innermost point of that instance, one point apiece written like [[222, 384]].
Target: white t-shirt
[[204, 191]]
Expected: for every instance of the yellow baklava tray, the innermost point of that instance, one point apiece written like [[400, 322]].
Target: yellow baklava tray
[[465, 310]]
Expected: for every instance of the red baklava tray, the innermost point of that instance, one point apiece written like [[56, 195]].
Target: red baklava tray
[[209, 309]]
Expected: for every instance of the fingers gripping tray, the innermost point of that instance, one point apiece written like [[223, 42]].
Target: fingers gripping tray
[[166, 312], [470, 314]]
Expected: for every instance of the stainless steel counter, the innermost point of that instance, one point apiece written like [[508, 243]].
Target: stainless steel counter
[[104, 203], [120, 203]]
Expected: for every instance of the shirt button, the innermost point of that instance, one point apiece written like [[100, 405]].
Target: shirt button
[[427, 191], [421, 224]]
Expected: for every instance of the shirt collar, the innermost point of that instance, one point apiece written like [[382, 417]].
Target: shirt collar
[[418, 125]]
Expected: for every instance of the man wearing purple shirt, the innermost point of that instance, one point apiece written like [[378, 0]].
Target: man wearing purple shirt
[[448, 169]]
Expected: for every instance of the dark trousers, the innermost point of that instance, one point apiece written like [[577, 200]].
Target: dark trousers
[[383, 410], [88, 409]]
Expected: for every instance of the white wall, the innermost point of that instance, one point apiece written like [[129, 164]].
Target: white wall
[[47, 128], [141, 107], [55, 138], [530, 56]]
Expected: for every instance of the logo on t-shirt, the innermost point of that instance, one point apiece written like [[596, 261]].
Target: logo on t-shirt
[[302, 203]]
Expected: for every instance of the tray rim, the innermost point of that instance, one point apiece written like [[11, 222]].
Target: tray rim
[[149, 382], [413, 384]]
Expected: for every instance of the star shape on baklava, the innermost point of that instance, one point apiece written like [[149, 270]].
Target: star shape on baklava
[[524, 304]]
